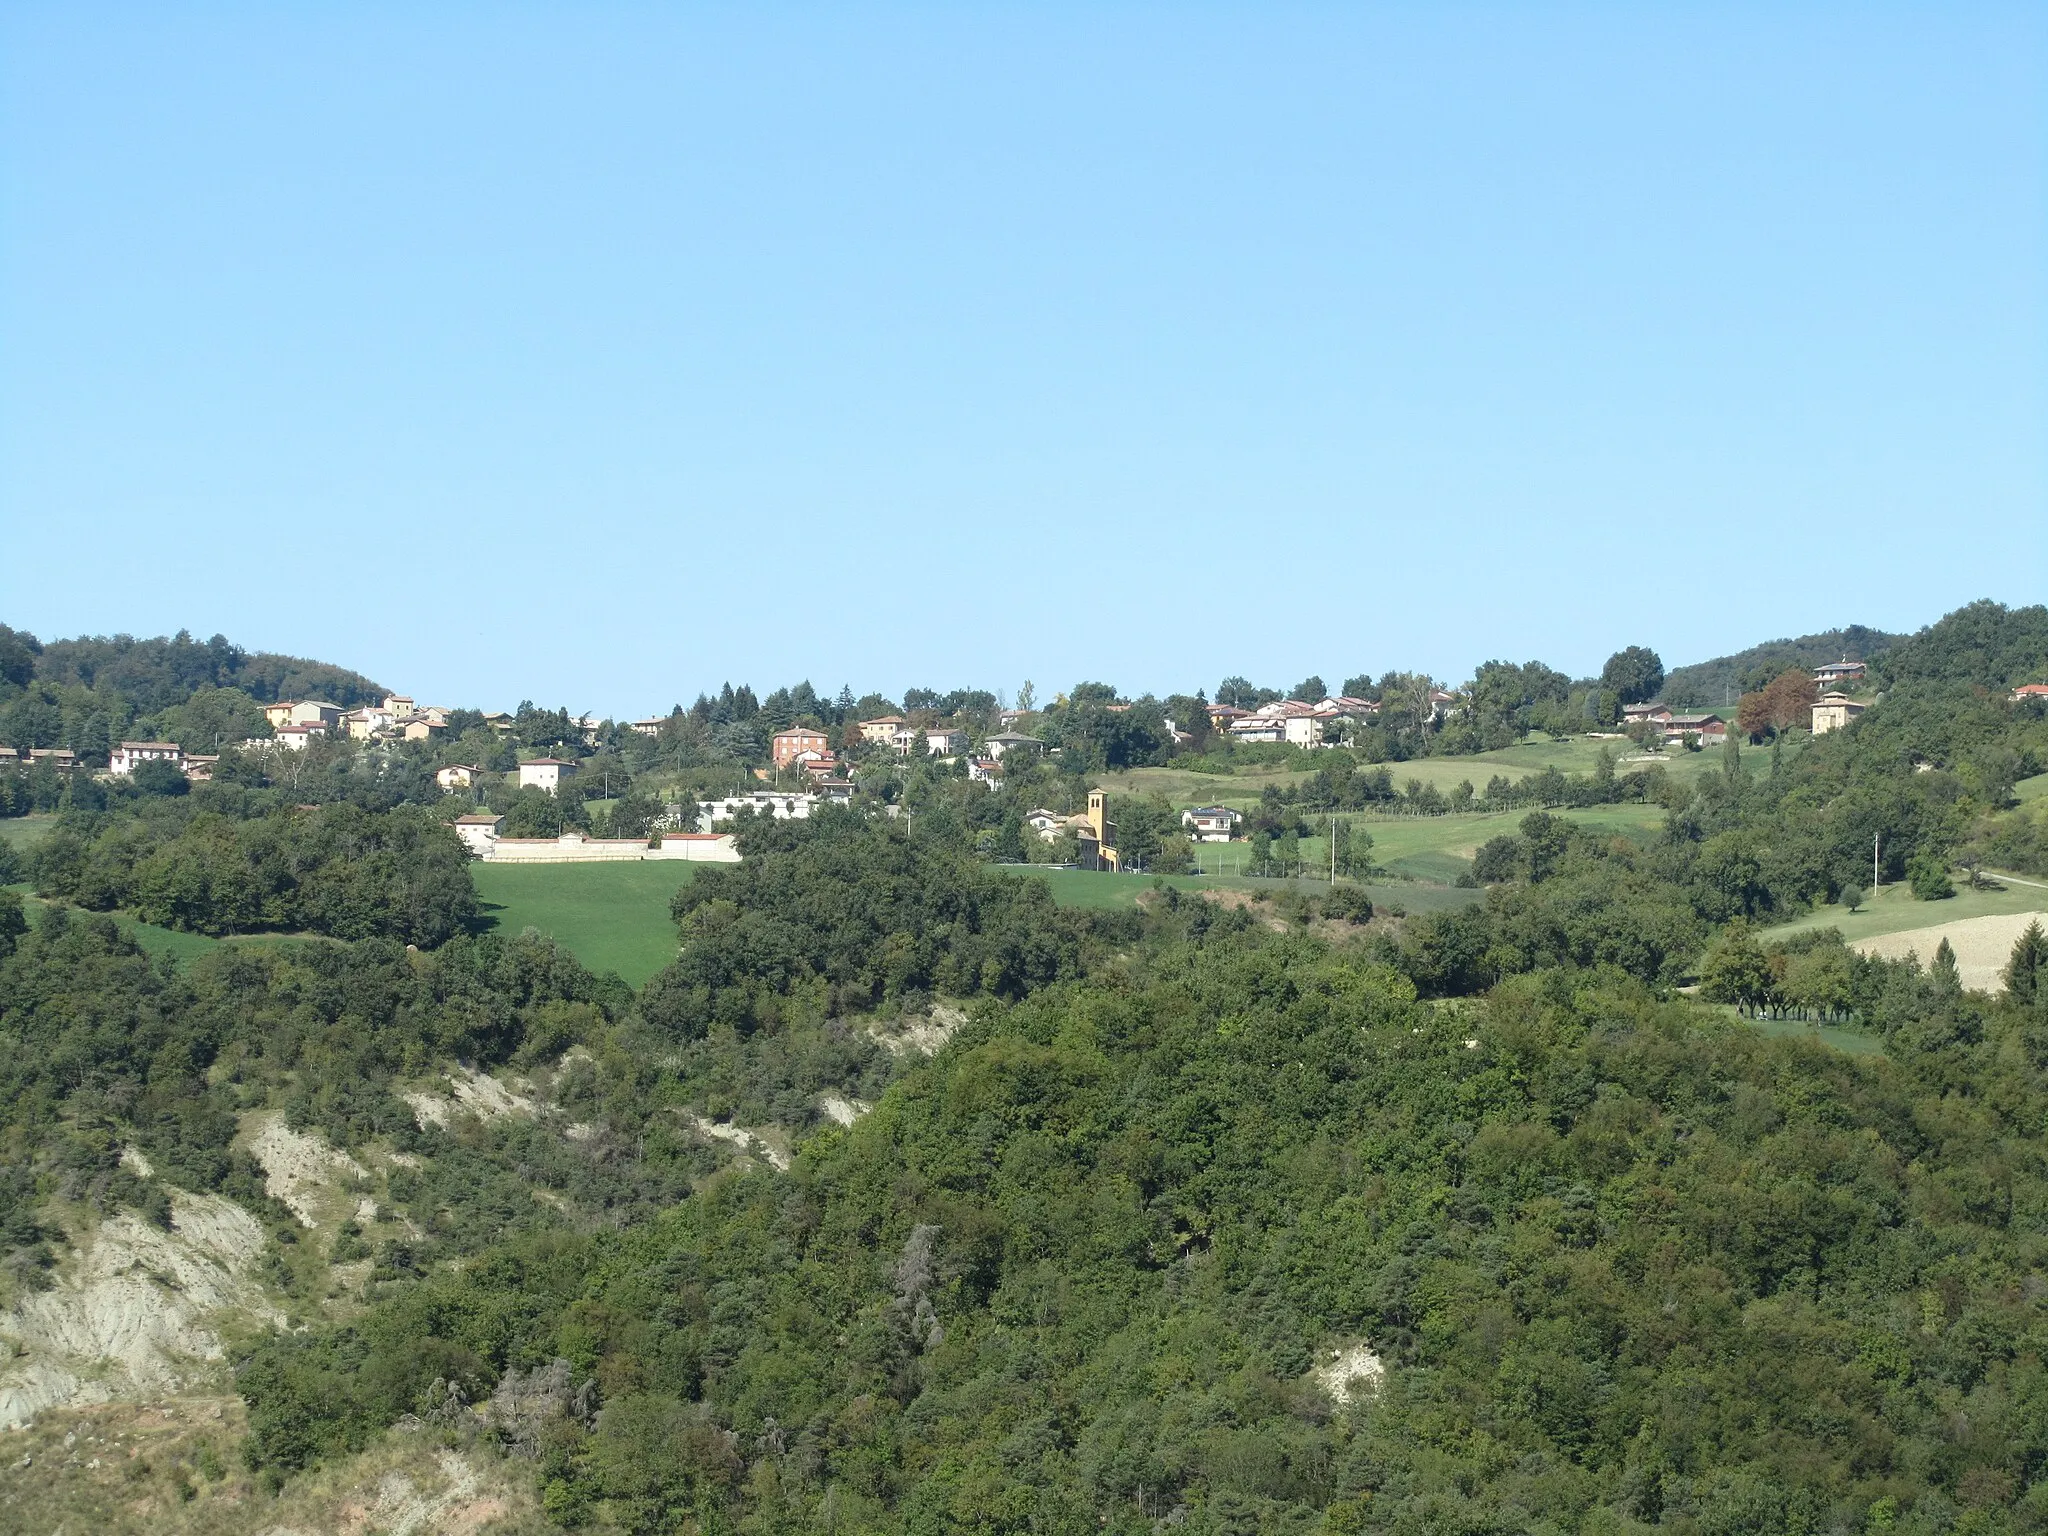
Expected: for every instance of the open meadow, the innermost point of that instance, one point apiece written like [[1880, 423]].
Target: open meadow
[[1575, 755], [612, 917], [1090, 889], [1894, 910], [1437, 849]]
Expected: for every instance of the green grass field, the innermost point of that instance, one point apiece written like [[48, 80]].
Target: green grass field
[[612, 917], [1855, 1042], [1091, 890], [154, 940], [24, 830], [2030, 790], [1439, 848], [1577, 755], [1893, 910]]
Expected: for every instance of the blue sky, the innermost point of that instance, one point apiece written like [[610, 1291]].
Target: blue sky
[[599, 353]]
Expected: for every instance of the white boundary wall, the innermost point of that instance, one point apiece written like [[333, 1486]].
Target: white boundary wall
[[574, 848]]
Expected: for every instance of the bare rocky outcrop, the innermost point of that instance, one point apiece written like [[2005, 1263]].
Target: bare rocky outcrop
[[469, 1092], [841, 1110], [134, 1310], [1350, 1373], [299, 1167], [924, 1033], [755, 1143]]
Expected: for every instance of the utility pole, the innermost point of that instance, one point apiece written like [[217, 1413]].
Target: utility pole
[[1874, 881]]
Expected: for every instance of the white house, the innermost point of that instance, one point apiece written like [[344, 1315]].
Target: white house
[[303, 712], [457, 776], [997, 745], [1304, 730], [1044, 823], [945, 740], [1843, 671], [478, 832], [1211, 823], [130, 755], [651, 726], [295, 737], [1259, 728], [984, 770], [546, 773]]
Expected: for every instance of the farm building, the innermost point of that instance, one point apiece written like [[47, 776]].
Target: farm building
[[130, 755], [1711, 730], [1843, 671]]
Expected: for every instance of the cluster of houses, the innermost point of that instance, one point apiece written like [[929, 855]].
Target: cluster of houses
[[1321, 724], [294, 722]]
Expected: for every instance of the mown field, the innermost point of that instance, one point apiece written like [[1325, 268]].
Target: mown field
[[612, 917], [1893, 910]]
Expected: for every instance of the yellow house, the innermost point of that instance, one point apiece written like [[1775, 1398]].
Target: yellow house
[[1833, 712]]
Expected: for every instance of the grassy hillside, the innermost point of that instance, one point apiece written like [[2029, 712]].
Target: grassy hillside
[[612, 917], [1575, 755], [1893, 910]]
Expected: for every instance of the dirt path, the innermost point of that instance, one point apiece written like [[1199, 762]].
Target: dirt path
[[1983, 945]]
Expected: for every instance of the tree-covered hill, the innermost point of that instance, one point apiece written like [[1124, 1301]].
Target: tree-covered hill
[[1625, 1265], [1716, 684], [87, 692]]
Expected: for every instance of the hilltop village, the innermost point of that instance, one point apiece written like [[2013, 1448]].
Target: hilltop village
[[546, 786]]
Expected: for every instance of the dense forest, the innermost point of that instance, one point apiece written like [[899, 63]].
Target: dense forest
[[1203, 1216], [1622, 1262]]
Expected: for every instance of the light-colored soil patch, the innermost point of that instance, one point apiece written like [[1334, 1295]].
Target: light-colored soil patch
[[170, 1468], [924, 1034], [843, 1111], [135, 1309], [761, 1144], [301, 1169], [469, 1092], [484, 1096], [1349, 1373], [1983, 945]]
